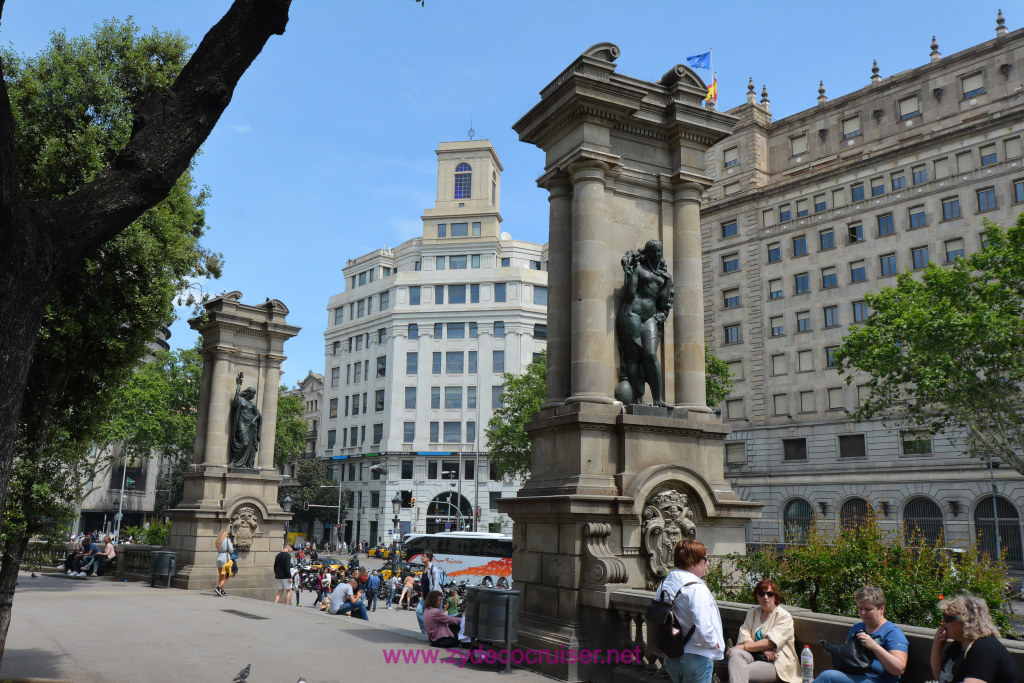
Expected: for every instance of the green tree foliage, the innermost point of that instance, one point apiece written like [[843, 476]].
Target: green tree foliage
[[311, 477], [943, 351], [290, 435], [156, 533], [822, 573], [507, 440]]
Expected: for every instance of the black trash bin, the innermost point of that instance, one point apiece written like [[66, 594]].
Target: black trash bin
[[161, 563], [492, 616]]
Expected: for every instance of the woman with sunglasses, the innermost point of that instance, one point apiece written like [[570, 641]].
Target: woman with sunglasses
[[766, 648], [693, 605], [975, 655]]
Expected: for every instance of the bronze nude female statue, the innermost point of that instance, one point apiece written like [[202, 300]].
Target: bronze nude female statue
[[646, 303], [246, 423]]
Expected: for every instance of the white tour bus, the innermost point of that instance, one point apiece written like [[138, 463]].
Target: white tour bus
[[477, 557]]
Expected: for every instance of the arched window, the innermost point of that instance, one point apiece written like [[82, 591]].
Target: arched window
[[853, 512], [448, 511], [463, 181], [1009, 537], [797, 520], [922, 517]]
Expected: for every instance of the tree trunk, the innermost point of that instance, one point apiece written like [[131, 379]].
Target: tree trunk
[[14, 550]]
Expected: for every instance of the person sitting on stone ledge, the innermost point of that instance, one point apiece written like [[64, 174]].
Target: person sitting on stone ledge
[[442, 629], [105, 557], [766, 647], [882, 638], [85, 558]]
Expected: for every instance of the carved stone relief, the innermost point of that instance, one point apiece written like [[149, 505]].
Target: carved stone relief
[[600, 566], [245, 523], [667, 519]]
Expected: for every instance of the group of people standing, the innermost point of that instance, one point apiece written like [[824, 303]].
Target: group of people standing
[[965, 648]]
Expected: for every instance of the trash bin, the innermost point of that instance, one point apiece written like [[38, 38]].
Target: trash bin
[[161, 563], [492, 616]]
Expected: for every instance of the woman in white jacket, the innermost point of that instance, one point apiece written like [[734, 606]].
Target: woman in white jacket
[[694, 605], [766, 648]]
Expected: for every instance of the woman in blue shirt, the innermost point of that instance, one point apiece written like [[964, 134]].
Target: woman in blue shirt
[[882, 638]]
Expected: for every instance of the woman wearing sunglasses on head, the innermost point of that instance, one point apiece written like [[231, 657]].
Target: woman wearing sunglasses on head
[[766, 648], [975, 655]]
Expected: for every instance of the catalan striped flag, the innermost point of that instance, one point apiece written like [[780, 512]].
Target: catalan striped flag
[[712, 95]]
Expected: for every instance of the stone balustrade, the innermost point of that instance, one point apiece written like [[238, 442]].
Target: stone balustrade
[[133, 561], [811, 628]]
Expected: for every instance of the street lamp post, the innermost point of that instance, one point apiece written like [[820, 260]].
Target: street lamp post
[[396, 505], [286, 505], [995, 514]]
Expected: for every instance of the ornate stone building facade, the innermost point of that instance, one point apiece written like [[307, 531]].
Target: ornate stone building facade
[[807, 215], [415, 349]]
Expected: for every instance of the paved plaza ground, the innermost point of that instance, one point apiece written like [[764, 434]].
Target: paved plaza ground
[[98, 630]]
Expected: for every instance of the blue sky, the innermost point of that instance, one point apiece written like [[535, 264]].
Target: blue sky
[[327, 149]]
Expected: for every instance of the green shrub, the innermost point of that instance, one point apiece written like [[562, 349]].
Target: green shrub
[[156, 533], [823, 572]]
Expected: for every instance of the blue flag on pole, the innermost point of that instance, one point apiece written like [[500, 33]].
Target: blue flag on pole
[[700, 61]]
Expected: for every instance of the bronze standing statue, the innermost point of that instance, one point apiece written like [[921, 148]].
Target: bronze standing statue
[[640, 323], [246, 423]]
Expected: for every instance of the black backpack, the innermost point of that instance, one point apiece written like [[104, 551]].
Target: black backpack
[[664, 633]]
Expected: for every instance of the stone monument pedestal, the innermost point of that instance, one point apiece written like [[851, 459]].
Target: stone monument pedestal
[[242, 349]]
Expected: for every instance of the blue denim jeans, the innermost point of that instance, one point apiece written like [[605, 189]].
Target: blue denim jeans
[[833, 676], [690, 668], [371, 599], [357, 607]]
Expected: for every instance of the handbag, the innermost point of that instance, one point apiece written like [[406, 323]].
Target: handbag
[[664, 633], [234, 560], [850, 657]]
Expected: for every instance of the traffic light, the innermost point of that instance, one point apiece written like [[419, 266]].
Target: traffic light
[[407, 499], [305, 505], [412, 501]]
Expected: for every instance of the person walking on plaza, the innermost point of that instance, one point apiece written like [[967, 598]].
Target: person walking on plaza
[[224, 564], [431, 581], [693, 604], [393, 583], [372, 586], [283, 574]]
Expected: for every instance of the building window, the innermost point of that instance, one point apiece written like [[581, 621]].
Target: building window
[[785, 213], [733, 334], [778, 326], [851, 446], [496, 392], [498, 361], [877, 187], [853, 512], [798, 145], [860, 311], [1012, 147], [442, 229], [794, 449], [919, 174], [819, 203], [408, 432], [780, 404], [411, 361], [951, 208], [986, 199], [730, 157], [1018, 190], [735, 368], [333, 408], [470, 398], [917, 217], [456, 330], [829, 279], [802, 283], [414, 331], [730, 229], [500, 289], [885, 225], [414, 295], [734, 409], [730, 263], [378, 433], [835, 398], [801, 208], [435, 364], [972, 85], [731, 298], [1008, 519], [827, 239], [855, 233], [410, 398], [335, 377], [361, 308], [804, 361], [922, 521], [435, 398], [858, 271], [731, 188], [803, 321], [463, 181], [954, 250], [919, 256], [439, 294], [438, 330], [339, 315], [851, 128], [838, 198], [857, 192], [472, 362], [988, 155], [768, 217], [499, 329], [830, 356], [477, 233], [332, 437], [540, 295], [540, 331], [807, 402], [382, 366], [453, 398], [796, 521], [735, 453], [941, 168], [359, 373], [506, 262], [435, 432], [775, 250], [800, 246], [916, 443], [831, 316], [888, 264], [460, 230], [898, 180], [453, 362], [909, 107], [774, 291], [779, 366]]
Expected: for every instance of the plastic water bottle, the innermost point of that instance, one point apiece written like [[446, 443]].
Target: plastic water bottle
[[807, 665]]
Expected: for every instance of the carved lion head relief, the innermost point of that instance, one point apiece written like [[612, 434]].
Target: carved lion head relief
[[667, 519], [245, 524]]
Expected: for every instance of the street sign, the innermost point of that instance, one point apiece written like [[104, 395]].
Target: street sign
[[447, 526], [129, 481]]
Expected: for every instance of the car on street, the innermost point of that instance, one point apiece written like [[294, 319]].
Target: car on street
[[332, 562], [402, 568]]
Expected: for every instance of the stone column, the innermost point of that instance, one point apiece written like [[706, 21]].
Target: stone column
[[268, 408], [591, 354], [688, 312], [559, 287], [218, 410]]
